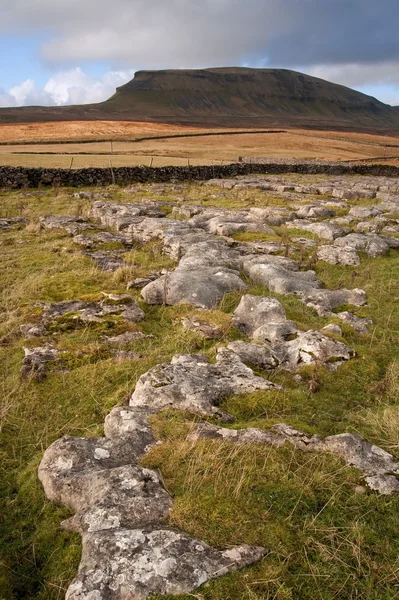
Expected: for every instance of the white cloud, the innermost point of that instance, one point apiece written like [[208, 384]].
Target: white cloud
[[66, 87], [358, 75]]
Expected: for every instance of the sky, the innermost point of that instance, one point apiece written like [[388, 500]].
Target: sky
[[56, 52]]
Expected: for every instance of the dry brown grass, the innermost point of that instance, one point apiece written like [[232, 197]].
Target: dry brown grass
[[299, 144]]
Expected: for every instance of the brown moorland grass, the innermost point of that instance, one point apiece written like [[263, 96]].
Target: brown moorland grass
[[89, 143]]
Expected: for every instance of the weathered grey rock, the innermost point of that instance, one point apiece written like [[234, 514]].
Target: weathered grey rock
[[336, 255], [324, 301], [223, 226], [73, 225], [364, 212], [310, 347], [134, 564], [391, 229], [121, 216], [36, 361], [282, 281], [107, 260], [190, 382], [368, 227], [353, 194], [127, 422], [265, 321], [91, 196], [326, 230], [314, 211], [359, 324], [372, 245], [141, 282], [126, 355], [332, 328], [103, 237], [378, 467], [31, 330], [126, 338], [86, 312], [204, 288], [7, 224], [205, 330], [250, 354], [255, 311]]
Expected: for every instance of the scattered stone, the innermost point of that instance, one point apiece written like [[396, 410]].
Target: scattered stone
[[72, 225], [107, 260], [205, 330], [325, 301], [335, 255], [250, 354], [314, 211], [104, 237], [126, 338], [359, 324], [30, 330], [190, 382], [379, 468], [36, 361], [141, 282], [6, 224], [371, 244], [332, 328]]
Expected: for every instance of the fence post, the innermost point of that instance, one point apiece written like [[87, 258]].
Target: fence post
[[112, 171]]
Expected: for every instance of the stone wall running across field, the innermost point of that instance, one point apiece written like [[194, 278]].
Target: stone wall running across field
[[17, 177]]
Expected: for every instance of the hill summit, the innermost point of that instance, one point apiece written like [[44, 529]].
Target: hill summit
[[231, 97]]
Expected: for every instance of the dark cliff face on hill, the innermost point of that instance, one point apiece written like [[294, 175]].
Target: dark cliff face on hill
[[228, 97]]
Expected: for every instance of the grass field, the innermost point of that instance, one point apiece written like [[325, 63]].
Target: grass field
[[327, 537], [122, 141]]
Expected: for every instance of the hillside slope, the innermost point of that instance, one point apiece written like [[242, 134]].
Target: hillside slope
[[227, 97]]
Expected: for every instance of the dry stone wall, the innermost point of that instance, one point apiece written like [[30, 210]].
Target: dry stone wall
[[17, 177]]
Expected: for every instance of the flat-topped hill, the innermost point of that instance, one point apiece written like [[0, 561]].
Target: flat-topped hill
[[228, 97]]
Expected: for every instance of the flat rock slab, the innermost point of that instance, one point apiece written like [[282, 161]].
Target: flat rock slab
[[107, 260], [7, 224], [72, 225], [335, 255], [140, 563], [103, 237], [190, 382]]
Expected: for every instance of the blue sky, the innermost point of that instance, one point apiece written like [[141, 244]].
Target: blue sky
[[77, 51]]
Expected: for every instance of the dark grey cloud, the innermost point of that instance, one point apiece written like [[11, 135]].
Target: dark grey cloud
[[190, 33]]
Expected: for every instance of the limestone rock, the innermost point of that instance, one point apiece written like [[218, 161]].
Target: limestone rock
[[310, 347], [373, 245], [36, 361], [205, 330], [143, 562], [6, 224], [324, 301], [107, 260], [190, 382], [359, 324], [72, 225], [103, 237], [250, 354], [204, 288], [335, 255], [378, 467]]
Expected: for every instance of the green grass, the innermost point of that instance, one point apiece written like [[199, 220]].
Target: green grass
[[326, 536]]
